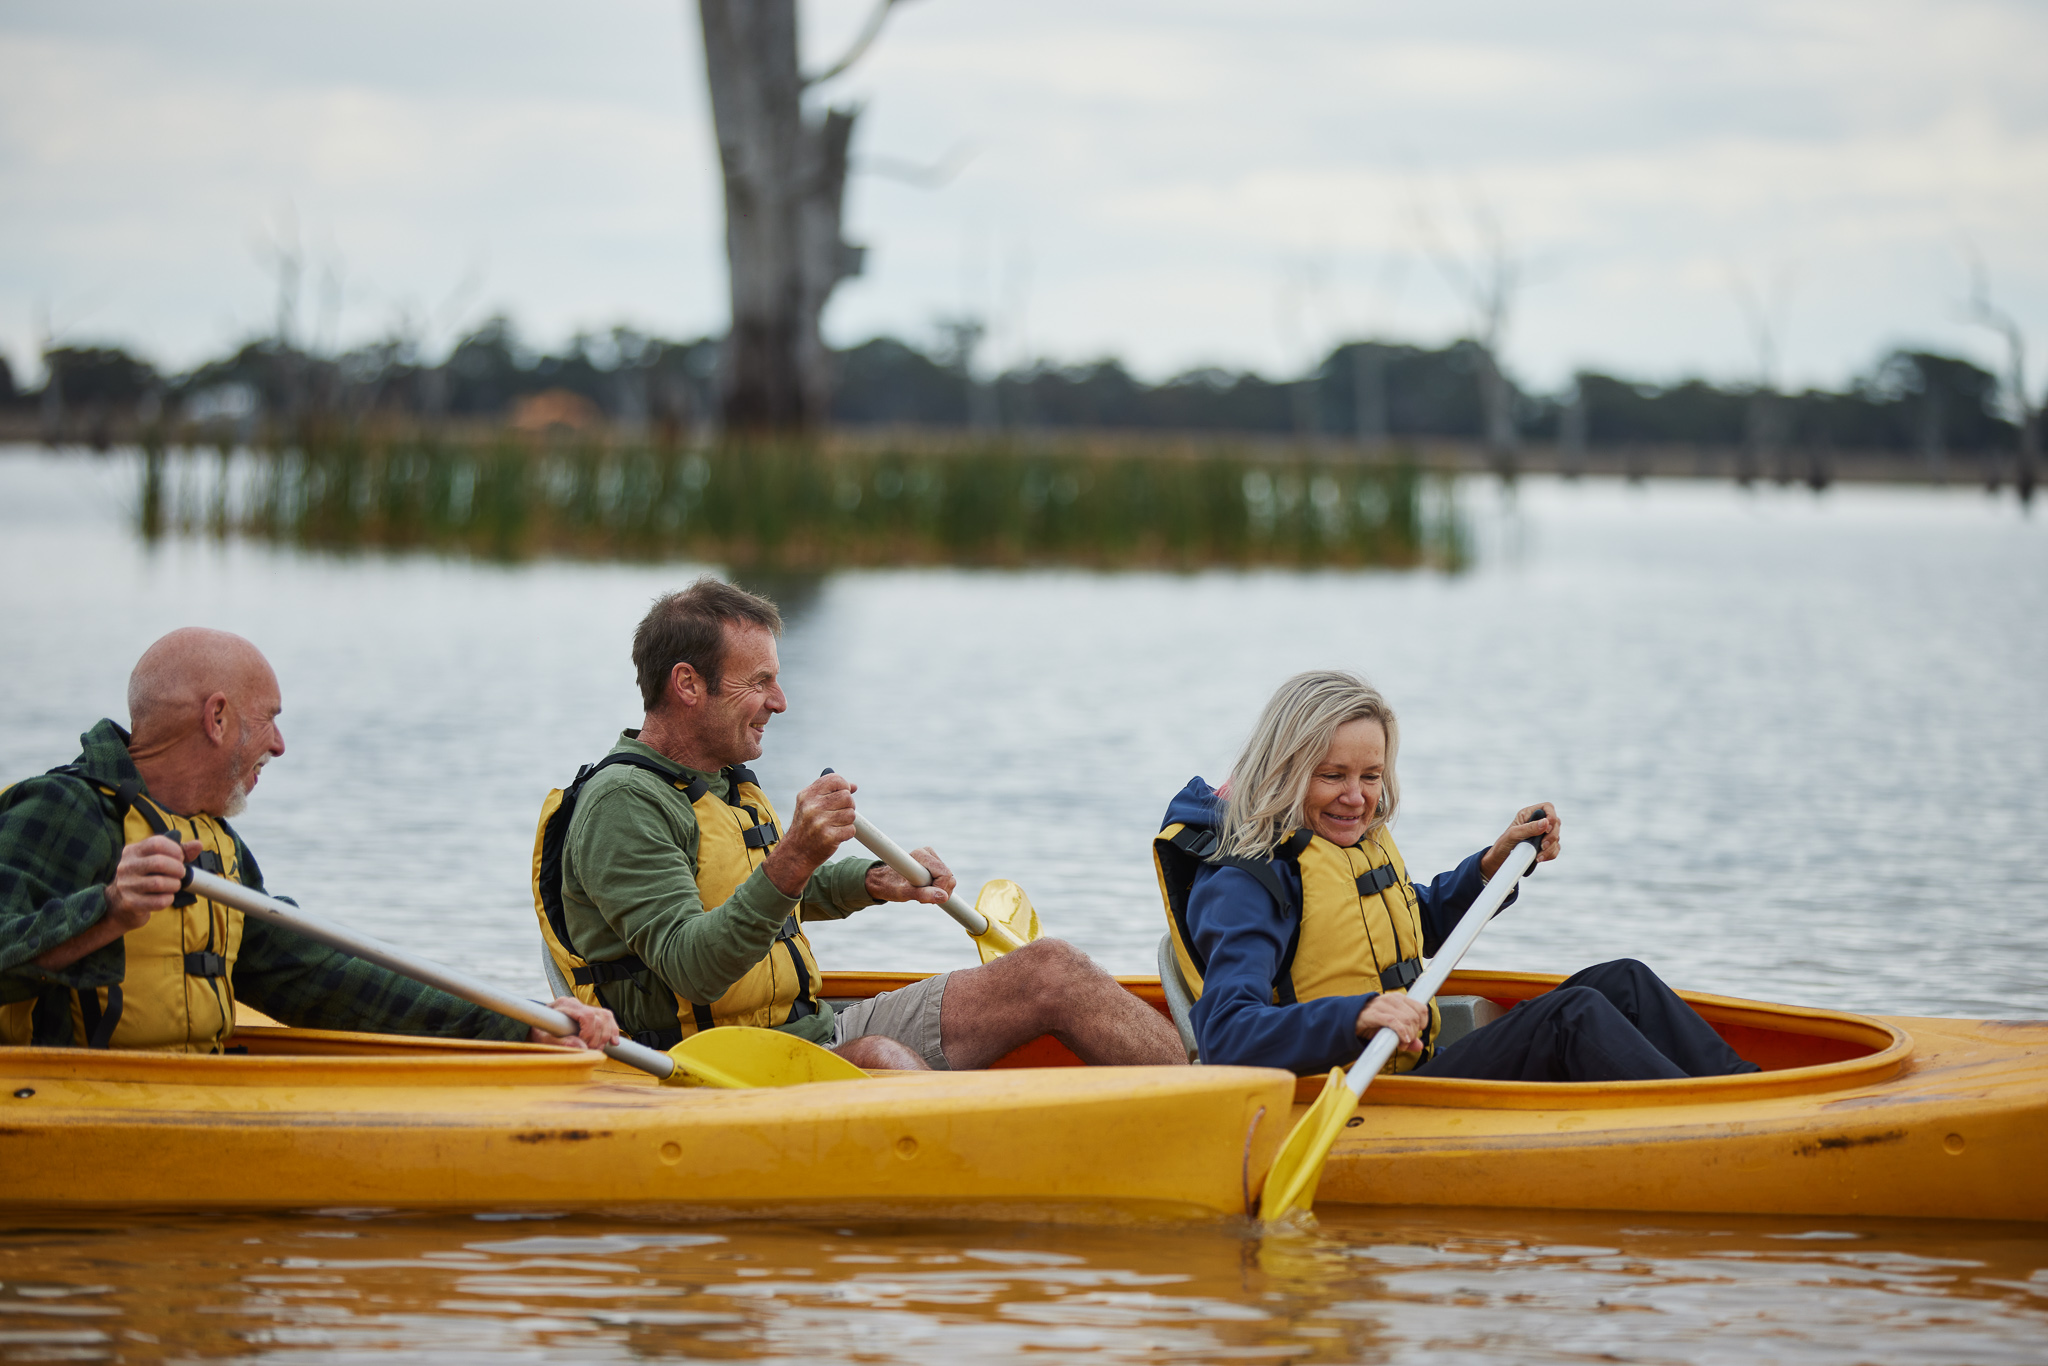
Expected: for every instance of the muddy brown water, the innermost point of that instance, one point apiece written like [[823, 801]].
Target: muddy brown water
[[1387, 1286]]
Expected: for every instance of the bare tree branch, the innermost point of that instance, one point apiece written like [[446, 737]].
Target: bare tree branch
[[1986, 314], [932, 176], [862, 41]]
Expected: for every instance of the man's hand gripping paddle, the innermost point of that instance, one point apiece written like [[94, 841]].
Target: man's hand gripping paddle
[[731, 1056], [1291, 1182], [1001, 917]]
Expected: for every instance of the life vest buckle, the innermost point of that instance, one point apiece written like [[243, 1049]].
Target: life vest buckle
[[205, 963], [1401, 976], [1378, 880]]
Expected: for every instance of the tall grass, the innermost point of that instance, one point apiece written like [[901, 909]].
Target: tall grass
[[791, 507]]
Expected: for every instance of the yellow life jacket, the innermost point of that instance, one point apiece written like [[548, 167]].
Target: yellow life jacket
[[176, 994], [1357, 926], [734, 835]]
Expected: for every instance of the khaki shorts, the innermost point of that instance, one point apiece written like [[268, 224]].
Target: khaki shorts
[[909, 1015]]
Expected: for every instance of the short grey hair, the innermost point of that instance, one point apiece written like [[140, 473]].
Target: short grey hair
[[1268, 784], [688, 627]]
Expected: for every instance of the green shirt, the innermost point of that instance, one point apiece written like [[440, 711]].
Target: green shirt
[[60, 837], [629, 885]]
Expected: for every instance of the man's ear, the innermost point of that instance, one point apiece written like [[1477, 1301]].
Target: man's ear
[[213, 717], [685, 686]]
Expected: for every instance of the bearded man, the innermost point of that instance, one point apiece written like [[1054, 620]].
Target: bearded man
[[99, 948]]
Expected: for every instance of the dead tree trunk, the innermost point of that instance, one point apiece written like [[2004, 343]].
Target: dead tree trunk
[[785, 184]]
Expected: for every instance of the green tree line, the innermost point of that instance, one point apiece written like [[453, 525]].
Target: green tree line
[[1909, 400]]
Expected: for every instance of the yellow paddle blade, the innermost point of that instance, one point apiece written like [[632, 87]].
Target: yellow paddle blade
[[736, 1057], [1009, 915], [1291, 1183]]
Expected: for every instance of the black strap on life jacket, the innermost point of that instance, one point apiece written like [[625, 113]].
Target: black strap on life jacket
[[611, 970], [1378, 880], [99, 1024], [1400, 976], [1191, 846], [631, 965], [762, 834], [805, 1003], [549, 878], [128, 797], [1290, 853]]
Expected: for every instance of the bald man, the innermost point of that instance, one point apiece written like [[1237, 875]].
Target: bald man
[[99, 949]]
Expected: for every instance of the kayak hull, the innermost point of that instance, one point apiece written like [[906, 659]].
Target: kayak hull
[[1959, 1131], [370, 1124], [1852, 1115]]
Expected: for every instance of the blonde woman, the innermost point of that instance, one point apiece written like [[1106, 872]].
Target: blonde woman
[[1295, 921]]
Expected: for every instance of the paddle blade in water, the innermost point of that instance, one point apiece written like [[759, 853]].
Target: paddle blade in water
[[736, 1057], [1291, 1183], [1006, 909]]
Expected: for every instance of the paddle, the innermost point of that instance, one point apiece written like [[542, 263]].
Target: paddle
[[1291, 1182], [1001, 918], [732, 1056]]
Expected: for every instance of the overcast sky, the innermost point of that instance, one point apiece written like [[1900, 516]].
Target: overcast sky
[[1177, 183]]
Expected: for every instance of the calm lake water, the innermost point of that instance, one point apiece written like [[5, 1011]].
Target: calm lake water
[[1800, 744]]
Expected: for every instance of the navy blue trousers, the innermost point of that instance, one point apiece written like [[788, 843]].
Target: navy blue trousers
[[1613, 1022]]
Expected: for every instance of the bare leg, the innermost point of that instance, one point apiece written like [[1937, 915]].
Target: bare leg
[[1050, 987], [881, 1051]]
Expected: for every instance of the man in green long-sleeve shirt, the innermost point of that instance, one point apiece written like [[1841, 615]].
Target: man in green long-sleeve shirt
[[678, 900], [95, 945]]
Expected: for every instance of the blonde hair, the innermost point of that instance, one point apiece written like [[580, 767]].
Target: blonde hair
[[1269, 782]]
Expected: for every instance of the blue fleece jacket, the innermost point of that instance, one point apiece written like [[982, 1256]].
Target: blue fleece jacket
[[1242, 934]]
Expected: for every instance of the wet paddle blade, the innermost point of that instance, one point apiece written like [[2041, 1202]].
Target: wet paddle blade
[[1291, 1183], [1011, 920], [739, 1057]]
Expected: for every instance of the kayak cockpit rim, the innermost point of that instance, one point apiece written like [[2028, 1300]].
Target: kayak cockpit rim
[[277, 1056], [1803, 1050]]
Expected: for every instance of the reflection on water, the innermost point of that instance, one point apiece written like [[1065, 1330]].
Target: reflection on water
[[1400, 1286], [794, 507]]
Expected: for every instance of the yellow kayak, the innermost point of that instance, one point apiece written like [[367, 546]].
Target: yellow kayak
[[1852, 1114], [313, 1119]]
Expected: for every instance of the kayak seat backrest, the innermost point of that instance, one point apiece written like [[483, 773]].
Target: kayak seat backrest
[[1179, 1000], [1460, 1014], [556, 984]]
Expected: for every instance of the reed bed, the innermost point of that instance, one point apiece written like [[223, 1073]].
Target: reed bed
[[803, 508]]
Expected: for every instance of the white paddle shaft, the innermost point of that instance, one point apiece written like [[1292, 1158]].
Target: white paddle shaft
[[1519, 860], [891, 853], [546, 1018]]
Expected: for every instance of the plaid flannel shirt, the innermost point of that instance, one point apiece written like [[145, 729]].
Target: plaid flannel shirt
[[60, 837]]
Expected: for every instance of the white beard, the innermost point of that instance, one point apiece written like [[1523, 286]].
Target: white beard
[[238, 795]]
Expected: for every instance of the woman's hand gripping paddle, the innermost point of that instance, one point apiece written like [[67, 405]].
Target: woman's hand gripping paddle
[[1291, 1181], [726, 1057], [1001, 917]]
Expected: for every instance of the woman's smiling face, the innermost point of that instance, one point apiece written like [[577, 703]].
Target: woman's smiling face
[[1344, 790]]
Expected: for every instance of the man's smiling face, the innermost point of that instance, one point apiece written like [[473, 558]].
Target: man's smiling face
[[748, 694]]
